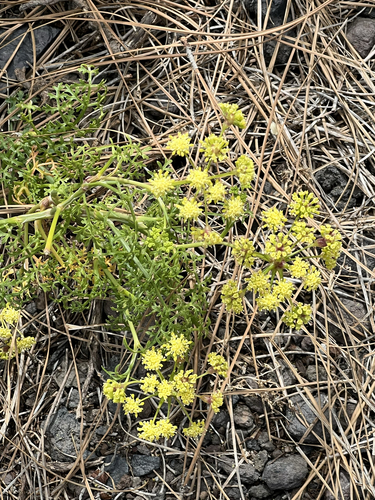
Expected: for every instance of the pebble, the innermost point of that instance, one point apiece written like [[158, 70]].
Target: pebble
[[247, 472], [285, 473], [143, 464], [361, 34], [259, 491], [243, 417], [302, 411]]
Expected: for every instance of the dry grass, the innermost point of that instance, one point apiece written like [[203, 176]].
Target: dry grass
[[168, 64]]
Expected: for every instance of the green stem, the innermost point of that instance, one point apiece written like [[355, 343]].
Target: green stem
[[47, 249]]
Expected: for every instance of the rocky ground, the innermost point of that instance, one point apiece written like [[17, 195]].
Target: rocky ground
[[298, 418]]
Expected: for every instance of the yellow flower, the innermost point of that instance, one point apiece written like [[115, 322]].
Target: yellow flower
[[303, 233], [258, 283], [5, 334], [199, 179], [299, 268], [152, 360], [165, 389], [184, 385], [216, 192], [214, 148], [312, 280], [25, 343], [232, 297], [273, 219], [177, 346], [243, 252], [299, 315], [9, 315], [232, 115], [161, 183], [166, 429], [218, 363], [206, 236], [283, 290], [268, 302], [179, 144], [189, 210], [149, 431], [278, 246], [234, 208], [114, 390], [149, 384], [304, 205], [196, 429], [245, 170], [132, 406], [330, 243], [217, 400]]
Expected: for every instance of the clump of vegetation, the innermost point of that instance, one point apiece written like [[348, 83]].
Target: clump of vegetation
[[96, 225]]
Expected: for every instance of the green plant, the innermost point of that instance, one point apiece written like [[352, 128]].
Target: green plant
[[97, 226], [12, 342]]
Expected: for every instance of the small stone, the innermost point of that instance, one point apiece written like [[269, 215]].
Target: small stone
[[243, 417], [117, 467], [260, 460], [24, 55], [343, 489], [268, 446], [63, 436], [142, 464], [101, 430], [247, 472], [252, 444], [303, 411], [220, 419], [31, 308], [307, 344], [259, 491], [311, 373], [277, 453], [285, 473], [254, 403], [361, 34]]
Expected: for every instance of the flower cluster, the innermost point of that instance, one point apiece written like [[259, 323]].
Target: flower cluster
[[179, 144], [178, 386], [12, 342], [161, 184], [285, 251], [232, 115]]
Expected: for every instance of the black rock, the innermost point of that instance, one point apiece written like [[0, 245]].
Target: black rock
[[252, 444], [259, 491], [335, 184], [302, 412], [220, 419], [143, 465], [242, 417], [260, 460], [116, 466], [247, 472], [285, 473], [63, 436], [343, 488], [276, 18], [361, 34], [44, 36]]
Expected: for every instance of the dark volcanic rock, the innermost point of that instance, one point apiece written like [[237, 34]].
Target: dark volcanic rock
[[335, 184], [117, 467], [44, 36], [361, 34], [303, 412], [63, 436], [247, 472], [285, 473], [143, 465], [276, 18]]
